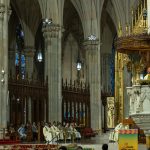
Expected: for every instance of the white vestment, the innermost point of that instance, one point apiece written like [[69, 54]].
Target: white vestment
[[47, 134], [55, 133], [74, 131], [115, 134]]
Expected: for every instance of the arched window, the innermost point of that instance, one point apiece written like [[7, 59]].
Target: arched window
[[20, 58]]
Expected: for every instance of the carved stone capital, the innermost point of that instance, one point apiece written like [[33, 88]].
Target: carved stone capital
[[2, 11], [51, 31], [91, 45], [29, 52]]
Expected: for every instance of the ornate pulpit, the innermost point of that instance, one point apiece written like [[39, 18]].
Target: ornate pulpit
[[139, 98], [131, 60]]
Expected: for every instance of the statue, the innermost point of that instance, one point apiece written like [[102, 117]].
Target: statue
[[110, 112]]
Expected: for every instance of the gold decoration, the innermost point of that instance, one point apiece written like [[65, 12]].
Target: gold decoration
[[119, 30]]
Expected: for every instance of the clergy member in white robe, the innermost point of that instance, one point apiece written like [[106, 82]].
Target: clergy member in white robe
[[74, 131], [47, 133], [115, 134], [55, 132]]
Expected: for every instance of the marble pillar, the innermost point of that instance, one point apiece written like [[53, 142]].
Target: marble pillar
[[4, 16], [52, 35], [93, 70], [29, 58]]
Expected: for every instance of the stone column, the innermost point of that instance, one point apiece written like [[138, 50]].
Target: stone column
[[29, 109], [29, 58], [52, 36], [11, 65], [4, 15], [93, 66], [45, 64]]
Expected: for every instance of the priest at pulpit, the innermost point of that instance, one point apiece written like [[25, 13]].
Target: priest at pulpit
[[147, 77]]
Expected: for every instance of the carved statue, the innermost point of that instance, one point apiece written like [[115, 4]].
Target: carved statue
[[132, 100], [110, 112]]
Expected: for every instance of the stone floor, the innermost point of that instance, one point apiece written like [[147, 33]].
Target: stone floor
[[97, 142], [94, 143]]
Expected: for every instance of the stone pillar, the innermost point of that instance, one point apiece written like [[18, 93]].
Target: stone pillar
[[45, 64], [4, 15], [52, 36], [29, 58], [29, 109], [45, 109], [11, 65], [93, 67]]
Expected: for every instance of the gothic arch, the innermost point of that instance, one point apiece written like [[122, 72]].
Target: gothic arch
[[29, 23], [83, 8]]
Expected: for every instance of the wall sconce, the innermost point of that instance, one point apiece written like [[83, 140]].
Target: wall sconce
[[39, 56], [3, 74], [2, 80], [79, 64]]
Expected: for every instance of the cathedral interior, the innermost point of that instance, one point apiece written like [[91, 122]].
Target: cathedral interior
[[80, 61]]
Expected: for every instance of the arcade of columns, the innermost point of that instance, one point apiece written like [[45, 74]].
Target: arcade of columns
[[53, 52]]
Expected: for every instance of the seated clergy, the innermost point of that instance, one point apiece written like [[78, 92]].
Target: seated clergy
[[22, 132], [73, 131], [12, 132], [147, 77], [47, 133], [55, 132], [61, 129], [67, 131], [34, 131]]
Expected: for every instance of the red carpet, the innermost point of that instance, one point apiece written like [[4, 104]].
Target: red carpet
[[8, 141], [33, 146]]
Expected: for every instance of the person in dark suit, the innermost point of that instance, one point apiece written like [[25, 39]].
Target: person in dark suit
[[105, 147]]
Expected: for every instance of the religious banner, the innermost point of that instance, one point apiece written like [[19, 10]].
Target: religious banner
[[128, 139]]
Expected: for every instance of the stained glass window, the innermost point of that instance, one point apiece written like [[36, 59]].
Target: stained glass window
[[20, 58]]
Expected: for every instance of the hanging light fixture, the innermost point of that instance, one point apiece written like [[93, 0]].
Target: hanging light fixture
[[39, 56], [79, 63]]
